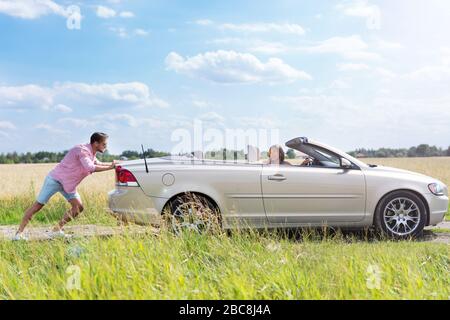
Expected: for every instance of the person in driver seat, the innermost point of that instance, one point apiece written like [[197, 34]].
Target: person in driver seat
[[276, 155]]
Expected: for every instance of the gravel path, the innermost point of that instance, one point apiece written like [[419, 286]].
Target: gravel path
[[76, 231], [80, 231]]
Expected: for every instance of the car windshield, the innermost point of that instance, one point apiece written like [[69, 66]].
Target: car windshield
[[321, 157]]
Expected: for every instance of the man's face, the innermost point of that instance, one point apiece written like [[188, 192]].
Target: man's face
[[101, 146]]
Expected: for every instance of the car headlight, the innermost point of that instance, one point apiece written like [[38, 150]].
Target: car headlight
[[436, 188]]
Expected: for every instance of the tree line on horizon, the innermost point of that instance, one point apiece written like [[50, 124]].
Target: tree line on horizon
[[422, 150]]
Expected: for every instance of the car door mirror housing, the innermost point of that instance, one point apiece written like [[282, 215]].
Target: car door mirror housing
[[345, 163]]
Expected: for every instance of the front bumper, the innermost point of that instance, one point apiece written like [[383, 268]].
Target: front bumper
[[132, 205], [438, 207]]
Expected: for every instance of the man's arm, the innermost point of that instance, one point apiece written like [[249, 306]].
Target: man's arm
[[99, 168], [97, 162], [92, 165]]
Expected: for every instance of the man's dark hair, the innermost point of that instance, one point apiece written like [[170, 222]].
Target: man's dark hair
[[98, 137]]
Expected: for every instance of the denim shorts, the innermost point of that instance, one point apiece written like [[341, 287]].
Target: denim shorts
[[50, 187]]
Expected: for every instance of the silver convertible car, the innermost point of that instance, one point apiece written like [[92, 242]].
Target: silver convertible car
[[334, 190]]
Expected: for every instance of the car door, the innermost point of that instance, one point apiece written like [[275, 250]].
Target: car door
[[300, 194]]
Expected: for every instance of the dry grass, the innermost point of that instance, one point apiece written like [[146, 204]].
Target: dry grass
[[20, 179]]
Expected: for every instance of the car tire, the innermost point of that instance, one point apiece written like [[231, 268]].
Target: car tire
[[192, 212], [400, 215]]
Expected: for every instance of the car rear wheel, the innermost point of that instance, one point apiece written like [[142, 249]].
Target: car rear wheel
[[192, 212], [401, 215]]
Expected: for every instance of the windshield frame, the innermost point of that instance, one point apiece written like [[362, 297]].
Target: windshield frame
[[356, 164]]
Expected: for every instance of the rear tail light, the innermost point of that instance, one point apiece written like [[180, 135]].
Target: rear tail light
[[125, 178]]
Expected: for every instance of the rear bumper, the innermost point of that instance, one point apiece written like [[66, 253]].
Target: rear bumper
[[438, 208], [131, 204]]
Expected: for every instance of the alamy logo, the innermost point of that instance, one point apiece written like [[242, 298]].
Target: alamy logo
[[74, 279], [373, 279], [73, 21]]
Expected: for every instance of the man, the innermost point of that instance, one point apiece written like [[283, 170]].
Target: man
[[78, 163], [276, 155]]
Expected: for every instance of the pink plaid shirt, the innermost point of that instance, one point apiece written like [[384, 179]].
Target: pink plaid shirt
[[78, 163]]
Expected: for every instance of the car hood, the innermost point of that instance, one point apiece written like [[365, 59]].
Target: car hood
[[401, 172]]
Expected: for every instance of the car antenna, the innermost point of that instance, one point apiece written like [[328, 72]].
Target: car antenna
[[145, 160]]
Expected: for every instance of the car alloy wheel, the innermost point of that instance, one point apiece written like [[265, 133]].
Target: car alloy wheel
[[401, 216]]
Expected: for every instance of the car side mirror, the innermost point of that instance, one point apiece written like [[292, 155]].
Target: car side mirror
[[345, 163]]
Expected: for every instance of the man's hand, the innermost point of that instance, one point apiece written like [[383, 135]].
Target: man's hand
[[114, 163], [308, 161]]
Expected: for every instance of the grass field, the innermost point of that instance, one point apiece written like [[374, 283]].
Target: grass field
[[245, 265]]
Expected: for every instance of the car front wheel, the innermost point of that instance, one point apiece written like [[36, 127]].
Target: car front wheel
[[401, 215]]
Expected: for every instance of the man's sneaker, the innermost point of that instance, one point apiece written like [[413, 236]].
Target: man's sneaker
[[20, 237], [57, 234]]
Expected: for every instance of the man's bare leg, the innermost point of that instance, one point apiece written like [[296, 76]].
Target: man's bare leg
[[73, 212], [29, 214]]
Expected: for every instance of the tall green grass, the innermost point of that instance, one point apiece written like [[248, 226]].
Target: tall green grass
[[244, 265]]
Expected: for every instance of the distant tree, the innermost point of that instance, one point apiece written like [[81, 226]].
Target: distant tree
[[422, 150], [380, 154], [150, 153], [130, 154], [412, 152], [290, 154]]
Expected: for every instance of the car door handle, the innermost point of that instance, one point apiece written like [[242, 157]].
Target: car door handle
[[277, 177]]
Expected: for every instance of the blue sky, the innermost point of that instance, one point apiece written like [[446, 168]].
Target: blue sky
[[347, 73]]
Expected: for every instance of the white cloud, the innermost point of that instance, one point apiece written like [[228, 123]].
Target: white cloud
[[132, 93], [351, 47], [31, 9], [387, 45], [61, 108], [384, 73], [105, 12], [340, 84], [365, 69], [253, 45], [260, 27], [259, 122], [352, 67], [204, 22], [363, 9], [59, 96], [140, 32], [234, 67], [121, 32], [211, 117], [49, 128], [77, 122], [126, 14], [25, 97], [131, 121], [284, 28], [6, 125], [200, 103]]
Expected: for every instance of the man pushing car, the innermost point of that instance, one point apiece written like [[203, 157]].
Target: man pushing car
[[78, 163]]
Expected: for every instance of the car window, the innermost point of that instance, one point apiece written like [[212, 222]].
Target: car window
[[330, 160], [321, 157]]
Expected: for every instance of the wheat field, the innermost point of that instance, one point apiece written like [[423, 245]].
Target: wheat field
[[240, 265]]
